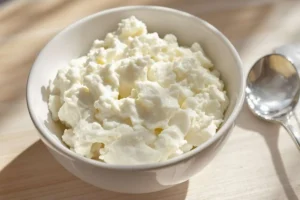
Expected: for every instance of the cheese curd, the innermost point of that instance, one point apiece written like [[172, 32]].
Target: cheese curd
[[136, 98]]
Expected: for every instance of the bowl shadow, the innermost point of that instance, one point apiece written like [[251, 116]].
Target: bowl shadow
[[270, 133], [35, 174]]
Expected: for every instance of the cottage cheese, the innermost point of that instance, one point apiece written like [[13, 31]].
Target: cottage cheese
[[136, 98]]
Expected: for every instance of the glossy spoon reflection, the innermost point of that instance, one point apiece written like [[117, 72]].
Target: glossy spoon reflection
[[272, 92]]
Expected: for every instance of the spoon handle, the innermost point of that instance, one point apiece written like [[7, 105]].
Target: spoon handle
[[292, 124]]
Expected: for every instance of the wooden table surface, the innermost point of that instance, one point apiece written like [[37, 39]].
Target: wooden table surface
[[259, 161]]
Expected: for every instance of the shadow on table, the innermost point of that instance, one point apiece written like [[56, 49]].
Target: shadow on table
[[4, 1], [35, 174], [270, 133]]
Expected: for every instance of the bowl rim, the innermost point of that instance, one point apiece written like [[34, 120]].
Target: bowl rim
[[45, 134]]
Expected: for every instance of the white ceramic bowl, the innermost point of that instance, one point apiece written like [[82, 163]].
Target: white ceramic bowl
[[75, 41]]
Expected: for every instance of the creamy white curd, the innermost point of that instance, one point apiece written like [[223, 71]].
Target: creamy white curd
[[136, 98]]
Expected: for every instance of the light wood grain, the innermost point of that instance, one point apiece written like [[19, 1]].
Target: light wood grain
[[258, 162]]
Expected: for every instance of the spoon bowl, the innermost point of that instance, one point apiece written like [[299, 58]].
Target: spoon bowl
[[272, 92]]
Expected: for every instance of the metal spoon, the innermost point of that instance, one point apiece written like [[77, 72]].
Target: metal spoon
[[272, 92]]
